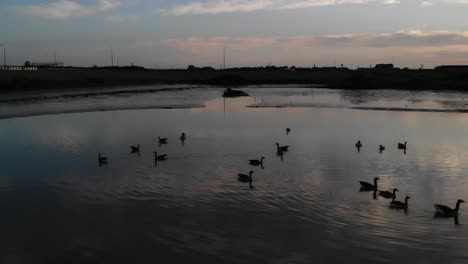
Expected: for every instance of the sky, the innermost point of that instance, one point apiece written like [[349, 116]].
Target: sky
[[177, 33]]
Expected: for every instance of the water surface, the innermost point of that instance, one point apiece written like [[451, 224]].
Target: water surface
[[59, 206]]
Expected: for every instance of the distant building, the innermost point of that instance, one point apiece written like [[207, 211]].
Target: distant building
[[384, 66], [47, 64]]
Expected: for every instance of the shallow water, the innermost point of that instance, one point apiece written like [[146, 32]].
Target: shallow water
[[59, 206]]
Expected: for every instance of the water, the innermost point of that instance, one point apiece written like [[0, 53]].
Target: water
[[59, 206]]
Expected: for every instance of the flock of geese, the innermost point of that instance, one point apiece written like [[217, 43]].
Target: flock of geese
[[441, 210]]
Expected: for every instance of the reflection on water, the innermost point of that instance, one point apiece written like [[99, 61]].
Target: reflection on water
[[59, 206]]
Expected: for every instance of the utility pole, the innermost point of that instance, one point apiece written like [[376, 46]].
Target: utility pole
[[4, 55], [224, 58], [112, 58]]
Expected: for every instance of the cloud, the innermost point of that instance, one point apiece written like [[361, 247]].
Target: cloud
[[108, 4], [431, 3], [231, 6], [121, 18], [65, 9], [404, 38], [219, 6], [58, 10], [426, 4]]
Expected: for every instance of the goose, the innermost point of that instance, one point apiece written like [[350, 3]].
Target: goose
[[162, 140], [366, 186], [443, 210], [388, 195], [159, 157], [182, 137], [288, 130], [135, 149], [246, 178], [358, 144], [282, 148], [257, 162], [381, 148], [402, 146], [280, 154], [102, 159], [399, 204]]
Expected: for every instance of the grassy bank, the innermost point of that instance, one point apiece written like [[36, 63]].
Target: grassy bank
[[332, 77]]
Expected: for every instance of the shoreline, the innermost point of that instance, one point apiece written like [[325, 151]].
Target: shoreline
[[332, 78]]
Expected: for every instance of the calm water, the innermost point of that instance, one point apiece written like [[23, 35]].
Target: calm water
[[58, 206]]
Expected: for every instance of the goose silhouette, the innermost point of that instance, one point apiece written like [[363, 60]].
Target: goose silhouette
[[246, 178], [162, 140], [402, 146], [102, 160], [381, 148], [445, 211], [257, 162], [159, 157], [366, 186], [358, 145], [400, 205], [281, 148], [135, 149], [387, 194]]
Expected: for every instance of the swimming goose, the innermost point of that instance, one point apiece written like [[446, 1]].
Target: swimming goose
[[443, 210], [162, 140], [366, 186], [280, 154], [381, 148], [159, 157], [402, 146], [358, 144], [135, 149], [257, 162], [182, 137], [102, 159], [400, 205], [387, 194], [246, 178], [288, 130], [282, 148]]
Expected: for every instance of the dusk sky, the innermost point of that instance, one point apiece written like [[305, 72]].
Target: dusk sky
[[176, 33]]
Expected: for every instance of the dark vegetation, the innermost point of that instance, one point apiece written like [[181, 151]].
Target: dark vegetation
[[440, 78]]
